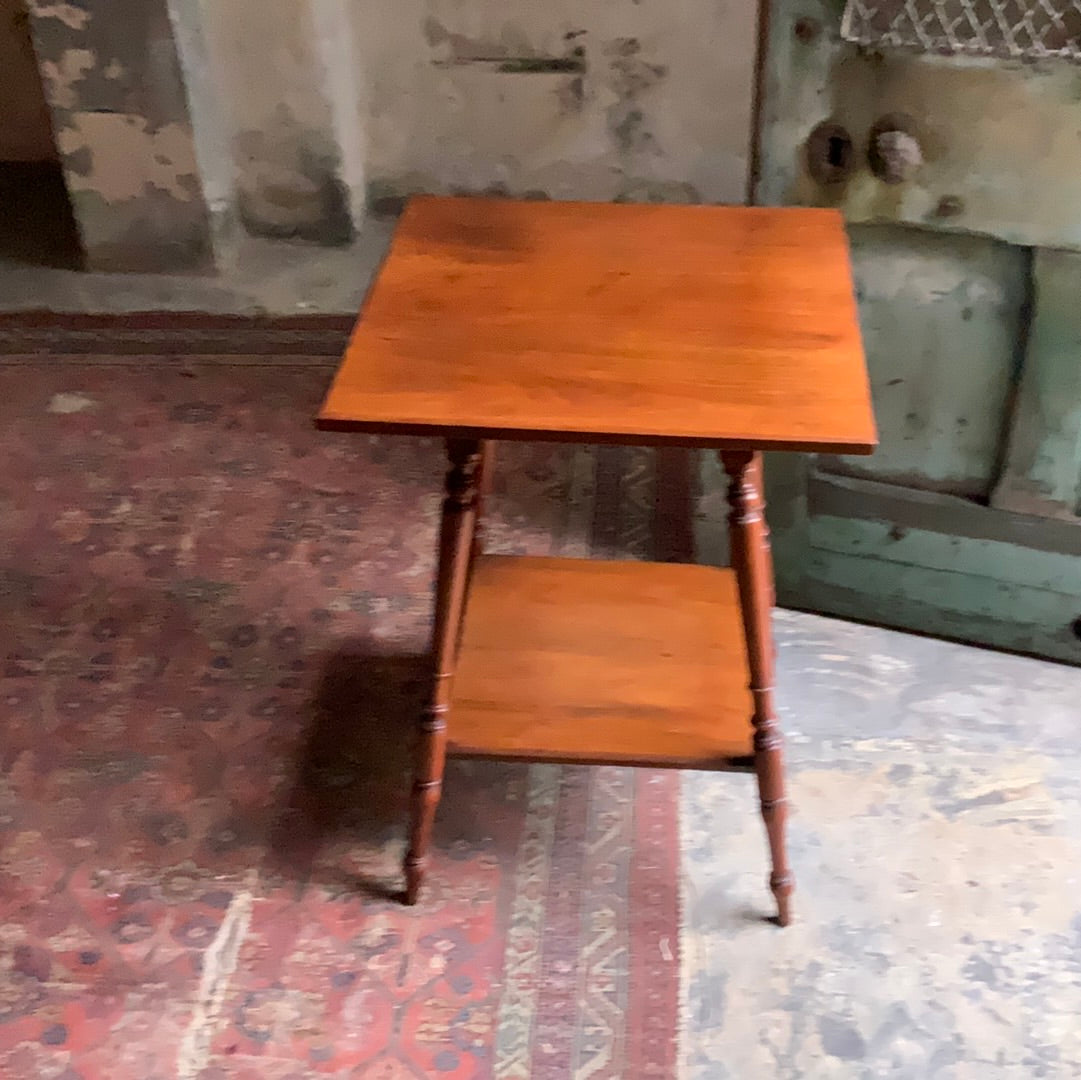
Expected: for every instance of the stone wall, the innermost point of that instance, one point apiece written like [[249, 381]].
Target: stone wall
[[292, 118], [589, 99], [120, 119]]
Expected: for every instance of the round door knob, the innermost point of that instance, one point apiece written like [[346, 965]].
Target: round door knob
[[894, 153]]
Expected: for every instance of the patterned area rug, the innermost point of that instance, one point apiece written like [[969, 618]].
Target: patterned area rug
[[212, 622]]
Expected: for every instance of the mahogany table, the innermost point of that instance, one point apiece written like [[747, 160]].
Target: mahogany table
[[727, 328]]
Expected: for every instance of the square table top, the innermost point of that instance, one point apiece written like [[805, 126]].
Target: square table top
[[596, 322]]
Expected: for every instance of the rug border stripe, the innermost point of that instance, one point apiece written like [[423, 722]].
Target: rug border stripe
[[525, 929]]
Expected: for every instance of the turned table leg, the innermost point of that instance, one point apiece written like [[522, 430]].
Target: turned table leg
[[752, 563], [455, 556], [484, 490]]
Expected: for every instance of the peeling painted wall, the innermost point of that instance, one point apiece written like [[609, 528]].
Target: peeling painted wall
[[594, 99], [294, 116], [999, 139], [332, 105], [293, 144], [1042, 468], [941, 318], [967, 521], [119, 112]]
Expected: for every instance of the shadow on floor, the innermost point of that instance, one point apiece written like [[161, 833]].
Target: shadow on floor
[[352, 771]]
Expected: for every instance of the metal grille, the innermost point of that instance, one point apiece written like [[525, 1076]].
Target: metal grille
[[1018, 29]]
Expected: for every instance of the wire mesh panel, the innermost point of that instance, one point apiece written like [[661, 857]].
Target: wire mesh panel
[[1020, 29]]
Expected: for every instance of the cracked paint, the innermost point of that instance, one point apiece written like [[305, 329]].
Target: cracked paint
[[76, 18], [60, 77], [575, 100], [990, 133], [584, 100], [121, 125], [114, 141]]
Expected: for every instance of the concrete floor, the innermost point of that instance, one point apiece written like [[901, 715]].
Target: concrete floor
[[258, 276], [936, 839]]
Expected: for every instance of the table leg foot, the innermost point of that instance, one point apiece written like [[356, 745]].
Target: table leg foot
[[781, 887], [414, 878], [782, 882], [753, 565], [425, 799]]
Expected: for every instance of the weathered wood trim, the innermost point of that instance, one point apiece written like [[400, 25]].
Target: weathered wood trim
[[1041, 472], [908, 508]]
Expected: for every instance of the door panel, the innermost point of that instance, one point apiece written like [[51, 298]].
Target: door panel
[[965, 522], [924, 561], [941, 317], [998, 138], [1042, 472]]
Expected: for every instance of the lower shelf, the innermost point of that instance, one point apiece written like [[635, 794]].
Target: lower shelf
[[604, 663]]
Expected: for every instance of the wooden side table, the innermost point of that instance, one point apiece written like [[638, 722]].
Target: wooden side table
[[727, 328]]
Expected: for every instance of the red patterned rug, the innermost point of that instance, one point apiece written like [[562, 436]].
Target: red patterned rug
[[212, 615]]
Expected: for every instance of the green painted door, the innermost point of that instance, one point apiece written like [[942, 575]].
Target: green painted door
[[966, 522]]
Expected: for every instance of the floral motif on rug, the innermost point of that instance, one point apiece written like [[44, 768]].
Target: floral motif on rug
[[213, 615]]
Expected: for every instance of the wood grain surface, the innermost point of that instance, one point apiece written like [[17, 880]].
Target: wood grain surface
[[686, 325], [602, 662]]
